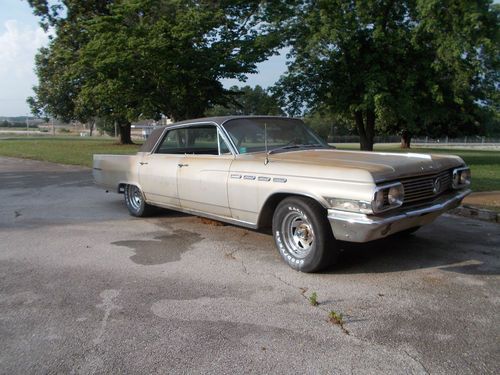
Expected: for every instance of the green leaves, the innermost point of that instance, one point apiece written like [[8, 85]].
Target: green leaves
[[248, 101], [147, 58], [409, 64]]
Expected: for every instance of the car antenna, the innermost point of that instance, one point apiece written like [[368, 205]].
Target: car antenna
[[266, 160]]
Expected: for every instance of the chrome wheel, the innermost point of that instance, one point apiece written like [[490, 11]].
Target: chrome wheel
[[134, 197], [298, 234]]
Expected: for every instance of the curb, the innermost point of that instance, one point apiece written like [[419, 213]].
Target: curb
[[476, 213]]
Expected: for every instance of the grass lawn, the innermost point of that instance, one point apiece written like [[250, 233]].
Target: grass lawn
[[64, 150], [485, 165]]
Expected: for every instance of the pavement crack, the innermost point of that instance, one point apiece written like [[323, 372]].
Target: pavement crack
[[107, 305], [303, 291], [232, 255], [417, 360], [245, 270]]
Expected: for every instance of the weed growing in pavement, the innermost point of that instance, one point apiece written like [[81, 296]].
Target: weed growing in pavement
[[313, 299], [336, 318]]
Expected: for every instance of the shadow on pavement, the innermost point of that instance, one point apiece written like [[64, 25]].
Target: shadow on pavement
[[418, 251]]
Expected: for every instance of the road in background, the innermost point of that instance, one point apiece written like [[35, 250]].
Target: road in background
[[85, 288]]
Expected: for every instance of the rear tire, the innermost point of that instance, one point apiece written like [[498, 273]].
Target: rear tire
[[303, 234], [136, 204]]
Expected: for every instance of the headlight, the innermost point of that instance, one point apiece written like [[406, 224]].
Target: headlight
[[378, 201], [385, 198], [388, 197], [396, 195], [350, 205], [461, 178]]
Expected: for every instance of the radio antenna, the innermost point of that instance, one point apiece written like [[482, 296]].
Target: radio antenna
[[266, 160]]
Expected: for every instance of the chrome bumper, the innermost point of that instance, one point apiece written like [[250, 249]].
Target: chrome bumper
[[356, 227]]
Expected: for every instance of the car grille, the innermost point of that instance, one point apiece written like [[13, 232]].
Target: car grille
[[425, 188]]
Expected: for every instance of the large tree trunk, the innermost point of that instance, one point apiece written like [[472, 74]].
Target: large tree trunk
[[125, 138], [365, 129], [91, 128], [405, 139]]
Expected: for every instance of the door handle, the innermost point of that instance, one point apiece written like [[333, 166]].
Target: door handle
[[143, 162], [183, 165]]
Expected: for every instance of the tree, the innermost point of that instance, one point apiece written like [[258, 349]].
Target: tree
[[56, 95], [248, 101], [390, 65], [328, 124], [148, 58]]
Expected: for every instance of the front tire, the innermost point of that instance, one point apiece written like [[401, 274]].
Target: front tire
[[136, 204], [303, 235]]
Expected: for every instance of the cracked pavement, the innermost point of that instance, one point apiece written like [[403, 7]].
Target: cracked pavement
[[85, 288]]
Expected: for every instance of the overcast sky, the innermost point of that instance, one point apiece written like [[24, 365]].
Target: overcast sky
[[21, 37]]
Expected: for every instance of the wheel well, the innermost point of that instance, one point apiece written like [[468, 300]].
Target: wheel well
[[267, 211], [121, 188]]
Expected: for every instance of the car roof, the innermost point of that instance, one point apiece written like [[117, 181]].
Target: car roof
[[219, 120], [222, 119]]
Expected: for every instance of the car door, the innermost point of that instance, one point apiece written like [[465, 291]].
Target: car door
[[158, 170], [203, 174]]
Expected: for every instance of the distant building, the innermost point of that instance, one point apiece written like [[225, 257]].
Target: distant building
[[146, 126]]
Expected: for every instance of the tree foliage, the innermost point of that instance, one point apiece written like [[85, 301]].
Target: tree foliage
[[328, 124], [248, 101], [391, 65], [119, 60]]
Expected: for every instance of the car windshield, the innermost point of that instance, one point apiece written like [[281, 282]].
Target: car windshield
[[249, 135]]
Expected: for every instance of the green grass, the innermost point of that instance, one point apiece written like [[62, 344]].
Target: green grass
[[484, 165], [64, 150]]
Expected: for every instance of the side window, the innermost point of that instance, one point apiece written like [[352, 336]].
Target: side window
[[198, 140], [174, 142], [203, 140], [223, 148]]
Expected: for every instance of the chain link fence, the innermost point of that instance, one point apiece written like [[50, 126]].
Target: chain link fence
[[466, 140], [355, 139], [473, 140]]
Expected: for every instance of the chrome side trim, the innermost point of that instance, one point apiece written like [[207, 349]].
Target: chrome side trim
[[279, 179], [224, 219]]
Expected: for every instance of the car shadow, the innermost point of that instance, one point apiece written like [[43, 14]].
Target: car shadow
[[396, 254]]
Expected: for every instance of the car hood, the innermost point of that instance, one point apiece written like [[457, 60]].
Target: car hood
[[383, 166]]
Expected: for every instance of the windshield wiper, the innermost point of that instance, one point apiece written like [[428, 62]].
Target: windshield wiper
[[288, 147]]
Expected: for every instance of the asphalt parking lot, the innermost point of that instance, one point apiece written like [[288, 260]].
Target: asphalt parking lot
[[86, 288]]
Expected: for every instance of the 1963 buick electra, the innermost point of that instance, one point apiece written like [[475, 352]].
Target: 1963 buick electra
[[275, 172]]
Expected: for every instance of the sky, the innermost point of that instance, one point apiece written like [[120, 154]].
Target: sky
[[21, 37]]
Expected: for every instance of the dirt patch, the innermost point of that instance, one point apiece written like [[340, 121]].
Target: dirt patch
[[487, 199]]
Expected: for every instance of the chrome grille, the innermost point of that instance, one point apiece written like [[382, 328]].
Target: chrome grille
[[426, 187]]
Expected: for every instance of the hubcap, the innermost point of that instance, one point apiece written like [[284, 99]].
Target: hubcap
[[135, 197], [298, 234]]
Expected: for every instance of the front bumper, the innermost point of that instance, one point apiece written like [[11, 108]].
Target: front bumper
[[356, 227]]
